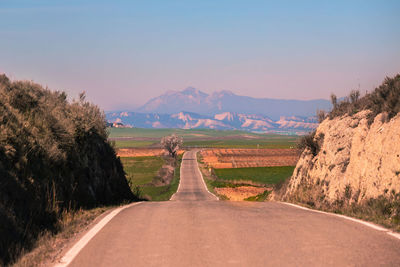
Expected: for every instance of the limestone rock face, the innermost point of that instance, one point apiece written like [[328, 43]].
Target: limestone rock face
[[362, 160]]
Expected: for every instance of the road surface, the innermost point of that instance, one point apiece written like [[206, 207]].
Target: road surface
[[195, 229]]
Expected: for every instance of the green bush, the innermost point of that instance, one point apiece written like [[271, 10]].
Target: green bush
[[54, 156]]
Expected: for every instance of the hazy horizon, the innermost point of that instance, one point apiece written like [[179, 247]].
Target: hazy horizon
[[123, 53], [134, 108]]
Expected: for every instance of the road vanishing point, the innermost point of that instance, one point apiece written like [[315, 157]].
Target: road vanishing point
[[194, 228]]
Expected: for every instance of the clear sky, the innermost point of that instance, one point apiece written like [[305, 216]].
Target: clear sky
[[124, 52]]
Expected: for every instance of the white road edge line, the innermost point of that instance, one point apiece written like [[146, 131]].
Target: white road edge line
[[368, 224], [74, 251], [179, 185], [202, 178]]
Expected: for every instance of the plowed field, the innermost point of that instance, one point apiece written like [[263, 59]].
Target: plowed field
[[142, 152], [242, 158]]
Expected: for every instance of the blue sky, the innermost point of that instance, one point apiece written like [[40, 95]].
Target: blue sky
[[124, 52]]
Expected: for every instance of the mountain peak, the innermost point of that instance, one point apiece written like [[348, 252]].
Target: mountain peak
[[193, 91], [193, 100]]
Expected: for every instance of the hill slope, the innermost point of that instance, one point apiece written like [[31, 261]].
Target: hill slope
[[54, 156]]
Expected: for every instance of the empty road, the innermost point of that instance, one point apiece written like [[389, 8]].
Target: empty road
[[195, 229]]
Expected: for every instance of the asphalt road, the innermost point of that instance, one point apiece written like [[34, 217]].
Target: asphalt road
[[195, 229]]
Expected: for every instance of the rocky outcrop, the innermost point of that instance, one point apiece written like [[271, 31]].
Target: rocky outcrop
[[355, 161]]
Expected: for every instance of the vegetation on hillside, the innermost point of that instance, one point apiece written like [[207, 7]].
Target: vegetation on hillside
[[312, 189], [384, 99], [54, 157]]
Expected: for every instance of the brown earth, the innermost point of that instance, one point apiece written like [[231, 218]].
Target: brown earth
[[142, 152], [243, 158], [355, 160], [240, 193]]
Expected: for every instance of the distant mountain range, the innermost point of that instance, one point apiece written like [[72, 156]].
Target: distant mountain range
[[196, 101], [192, 108], [221, 121]]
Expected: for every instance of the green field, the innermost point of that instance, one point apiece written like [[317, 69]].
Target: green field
[[162, 193], [140, 172], [266, 142], [185, 133], [138, 137], [259, 175]]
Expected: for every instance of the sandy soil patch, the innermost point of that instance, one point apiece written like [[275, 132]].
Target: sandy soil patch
[[240, 193]]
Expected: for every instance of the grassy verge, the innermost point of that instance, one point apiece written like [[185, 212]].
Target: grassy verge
[[162, 193], [48, 246], [255, 175], [143, 171], [209, 180]]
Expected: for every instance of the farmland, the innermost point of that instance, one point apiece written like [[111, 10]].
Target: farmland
[[246, 174], [199, 138], [259, 175], [241, 158], [141, 170], [152, 177], [236, 165], [252, 184]]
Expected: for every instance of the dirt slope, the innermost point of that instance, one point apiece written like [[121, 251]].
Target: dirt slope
[[355, 161]]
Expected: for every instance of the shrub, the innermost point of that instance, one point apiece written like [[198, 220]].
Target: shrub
[[384, 99], [321, 115], [311, 142], [54, 156]]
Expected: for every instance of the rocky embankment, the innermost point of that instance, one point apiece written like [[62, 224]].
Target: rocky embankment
[[355, 164]]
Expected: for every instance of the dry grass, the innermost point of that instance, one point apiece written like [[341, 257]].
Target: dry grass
[[383, 210], [49, 247]]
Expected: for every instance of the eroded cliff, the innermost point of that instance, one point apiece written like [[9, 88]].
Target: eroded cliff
[[355, 161]]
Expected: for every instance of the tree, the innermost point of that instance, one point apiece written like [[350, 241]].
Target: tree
[[172, 144]]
